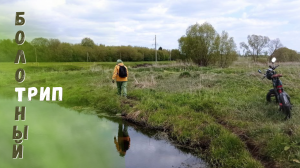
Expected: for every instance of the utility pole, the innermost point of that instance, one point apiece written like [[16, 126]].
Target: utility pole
[[155, 50], [170, 54]]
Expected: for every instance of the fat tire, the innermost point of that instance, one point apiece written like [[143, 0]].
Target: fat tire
[[287, 106], [287, 111], [269, 95]]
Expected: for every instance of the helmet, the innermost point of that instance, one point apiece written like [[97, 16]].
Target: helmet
[[119, 61]]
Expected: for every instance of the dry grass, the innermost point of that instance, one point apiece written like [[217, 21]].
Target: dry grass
[[134, 115], [145, 82]]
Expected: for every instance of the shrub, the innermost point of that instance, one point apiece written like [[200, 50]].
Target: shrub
[[185, 75]]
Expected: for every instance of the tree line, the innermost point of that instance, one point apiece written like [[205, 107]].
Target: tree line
[[53, 50], [258, 45], [202, 44]]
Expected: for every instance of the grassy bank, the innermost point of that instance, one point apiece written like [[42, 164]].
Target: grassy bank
[[221, 113]]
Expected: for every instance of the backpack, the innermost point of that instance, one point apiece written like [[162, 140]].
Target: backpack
[[122, 71]]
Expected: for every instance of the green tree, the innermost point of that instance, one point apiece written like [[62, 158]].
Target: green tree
[[65, 52], [53, 47], [79, 53], [41, 47], [227, 50], [183, 47], [146, 53], [8, 50], [87, 42], [205, 46], [286, 55], [28, 50], [40, 42], [111, 54], [175, 54], [197, 44], [100, 54]]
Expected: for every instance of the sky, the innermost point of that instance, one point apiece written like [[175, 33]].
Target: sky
[[136, 22]]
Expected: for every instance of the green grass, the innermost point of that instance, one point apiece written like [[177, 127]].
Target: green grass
[[221, 112]]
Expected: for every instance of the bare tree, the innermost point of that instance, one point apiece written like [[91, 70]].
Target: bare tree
[[245, 48], [255, 46], [274, 45]]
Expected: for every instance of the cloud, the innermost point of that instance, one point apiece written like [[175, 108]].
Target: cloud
[[136, 22]]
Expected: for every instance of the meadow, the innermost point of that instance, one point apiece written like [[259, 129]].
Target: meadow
[[220, 113]]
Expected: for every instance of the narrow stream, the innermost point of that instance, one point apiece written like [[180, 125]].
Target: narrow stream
[[62, 138]]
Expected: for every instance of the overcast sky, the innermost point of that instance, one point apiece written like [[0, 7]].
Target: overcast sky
[[136, 22]]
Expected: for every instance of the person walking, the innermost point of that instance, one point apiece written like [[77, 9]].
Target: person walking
[[120, 75]]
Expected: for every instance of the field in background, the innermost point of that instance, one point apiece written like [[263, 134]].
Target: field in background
[[221, 113]]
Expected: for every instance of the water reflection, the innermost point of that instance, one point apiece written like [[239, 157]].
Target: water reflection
[[60, 137], [149, 151], [57, 137], [123, 142]]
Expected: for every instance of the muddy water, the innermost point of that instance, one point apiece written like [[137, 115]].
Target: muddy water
[[62, 138]]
